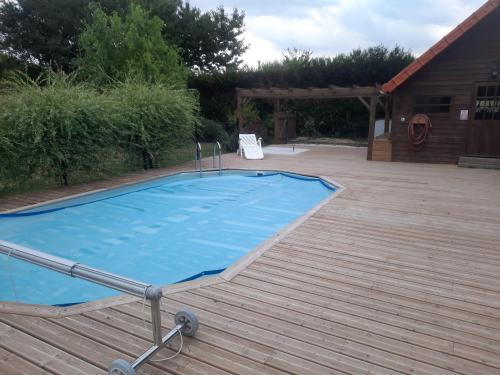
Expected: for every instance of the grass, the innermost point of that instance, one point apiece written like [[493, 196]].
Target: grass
[[115, 164]]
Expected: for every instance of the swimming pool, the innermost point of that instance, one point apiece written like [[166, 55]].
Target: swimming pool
[[163, 231]]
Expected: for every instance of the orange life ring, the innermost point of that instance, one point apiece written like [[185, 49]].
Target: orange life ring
[[419, 129]]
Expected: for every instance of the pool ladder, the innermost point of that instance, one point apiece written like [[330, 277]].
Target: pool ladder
[[219, 148], [198, 157]]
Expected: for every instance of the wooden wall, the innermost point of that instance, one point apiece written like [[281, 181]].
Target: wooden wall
[[454, 73], [382, 149]]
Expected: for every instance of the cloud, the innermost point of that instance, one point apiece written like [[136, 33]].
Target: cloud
[[261, 50], [330, 27]]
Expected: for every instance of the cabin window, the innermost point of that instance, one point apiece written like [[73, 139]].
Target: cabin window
[[432, 104], [488, 103]]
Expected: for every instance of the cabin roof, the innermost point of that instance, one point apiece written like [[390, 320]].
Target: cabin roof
[[440, 46]]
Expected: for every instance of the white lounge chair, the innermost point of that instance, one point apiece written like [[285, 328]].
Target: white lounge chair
[[249, 147]]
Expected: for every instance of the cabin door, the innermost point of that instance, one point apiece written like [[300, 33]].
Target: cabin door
[[484, 129]]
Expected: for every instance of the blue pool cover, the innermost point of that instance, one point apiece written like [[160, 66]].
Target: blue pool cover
[[161, 232]]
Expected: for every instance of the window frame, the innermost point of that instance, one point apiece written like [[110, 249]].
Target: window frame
[[427, 106], [496, 97]]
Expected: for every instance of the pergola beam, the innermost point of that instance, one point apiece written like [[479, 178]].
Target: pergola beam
[[331, 92], [365, 103]]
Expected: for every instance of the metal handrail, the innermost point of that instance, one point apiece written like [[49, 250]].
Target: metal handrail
[[198, 157], [218, 146], [186, 321]]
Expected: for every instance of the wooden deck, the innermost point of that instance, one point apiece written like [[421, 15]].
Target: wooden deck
[[399, 274]]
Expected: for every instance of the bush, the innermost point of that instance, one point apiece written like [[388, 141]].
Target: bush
[[56, 128], [213, 131], [153, 119], [6, 153], [309, 129]]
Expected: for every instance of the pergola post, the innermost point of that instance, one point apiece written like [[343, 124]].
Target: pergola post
[[387, 113], [371, 125], [276, 119], [331, 92], [238, 111]]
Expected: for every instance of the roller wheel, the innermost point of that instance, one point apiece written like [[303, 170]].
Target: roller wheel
[[189, 319], [121, 367]]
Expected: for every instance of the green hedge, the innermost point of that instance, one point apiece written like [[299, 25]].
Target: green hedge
[[56, 128], [362, 67], [153, 119]]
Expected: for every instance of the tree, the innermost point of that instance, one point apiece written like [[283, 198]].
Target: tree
[[297, 56], [116, 49], [42, 31], [46, 31], [208, 41], [7, 64]]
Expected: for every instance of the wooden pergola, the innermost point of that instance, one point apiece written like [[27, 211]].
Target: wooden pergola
[[368, 95]]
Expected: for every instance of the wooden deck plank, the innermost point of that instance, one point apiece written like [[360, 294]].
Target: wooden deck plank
[[399, 274], [442, 298], [388, 253], [417, 246], [231, 342], [448, 244], [12, 364], [431, 278], [449, 290], [134, 345], [87, 350], [428, 307], [325, 320], [260, 330], [436, 324], [301, 304], [353, 357], [430, 272], [46, 356], [227, 360]]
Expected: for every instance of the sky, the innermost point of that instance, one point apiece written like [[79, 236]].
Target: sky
[[330, 27]]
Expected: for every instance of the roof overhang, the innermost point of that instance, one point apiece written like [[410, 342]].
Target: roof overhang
[[440, 46]]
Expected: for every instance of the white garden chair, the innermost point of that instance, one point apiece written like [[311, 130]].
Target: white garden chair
[[250, 147]]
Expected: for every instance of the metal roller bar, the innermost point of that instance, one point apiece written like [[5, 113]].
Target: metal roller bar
[[185, 320], [77, 270], [37, 257]]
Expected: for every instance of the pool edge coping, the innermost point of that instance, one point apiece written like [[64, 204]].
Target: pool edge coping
[[49, 311], [229, 273]]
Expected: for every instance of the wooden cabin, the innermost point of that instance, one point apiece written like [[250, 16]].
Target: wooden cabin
[[456, 84]]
